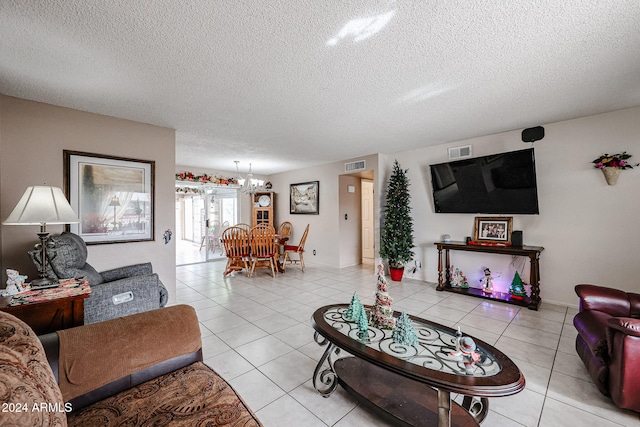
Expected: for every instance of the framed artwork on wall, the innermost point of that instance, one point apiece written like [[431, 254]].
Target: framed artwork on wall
[[493, 229], [305, 198], [112, 196]]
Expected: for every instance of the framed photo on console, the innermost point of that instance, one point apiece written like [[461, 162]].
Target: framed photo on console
[[493, 229], [112, 196]]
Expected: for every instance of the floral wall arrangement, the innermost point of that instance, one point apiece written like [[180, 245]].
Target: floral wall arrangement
[[612, 164]]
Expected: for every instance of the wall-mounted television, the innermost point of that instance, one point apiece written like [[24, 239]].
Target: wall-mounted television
[[503, 183]]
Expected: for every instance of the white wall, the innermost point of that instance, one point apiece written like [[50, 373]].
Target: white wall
[[324, 231], [34, 136], [350, 227], [590, 231]]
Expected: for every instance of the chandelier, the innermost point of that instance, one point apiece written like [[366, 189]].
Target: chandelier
[[250, 185]]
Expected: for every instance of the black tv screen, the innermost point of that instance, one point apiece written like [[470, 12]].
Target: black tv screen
[[503, 183]]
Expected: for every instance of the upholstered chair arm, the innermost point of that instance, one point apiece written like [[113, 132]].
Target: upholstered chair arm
[[101, 359], [128, 271], [123, 297], [611, 301], [626, 325]]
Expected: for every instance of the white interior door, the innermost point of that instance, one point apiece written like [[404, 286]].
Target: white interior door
[[368, 241]]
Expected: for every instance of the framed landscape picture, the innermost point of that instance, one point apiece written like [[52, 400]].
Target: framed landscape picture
[[304, 198], [112, 196], [493, 229]]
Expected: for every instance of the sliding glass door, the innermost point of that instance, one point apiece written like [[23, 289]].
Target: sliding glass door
[[201, 216]]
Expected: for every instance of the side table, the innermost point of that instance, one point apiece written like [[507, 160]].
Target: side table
[[50, 310]]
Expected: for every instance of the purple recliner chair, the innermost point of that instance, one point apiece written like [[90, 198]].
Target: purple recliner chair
[[608, 342]]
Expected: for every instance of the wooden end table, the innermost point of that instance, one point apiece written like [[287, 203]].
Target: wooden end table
[[50, 310]]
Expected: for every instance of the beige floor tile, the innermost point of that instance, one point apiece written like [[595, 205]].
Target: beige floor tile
[[268, 321]]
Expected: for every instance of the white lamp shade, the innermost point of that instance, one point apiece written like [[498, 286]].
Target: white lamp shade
[[42, 205]]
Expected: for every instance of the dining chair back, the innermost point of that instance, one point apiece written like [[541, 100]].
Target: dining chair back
[[244, 226], [235, 241], [285, 229], [296, 249], [211, 233], [264, 248]]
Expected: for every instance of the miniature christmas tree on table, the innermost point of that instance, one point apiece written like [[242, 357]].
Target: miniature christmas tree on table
[[516, 289], [457, 279], [363, 324], [352, 313], [404, 333], [382, 312]]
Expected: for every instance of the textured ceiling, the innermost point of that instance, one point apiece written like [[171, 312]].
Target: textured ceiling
[[285, 84]]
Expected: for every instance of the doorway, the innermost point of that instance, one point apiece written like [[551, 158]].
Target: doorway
[[357, 225], [201, 215], [367, 221]]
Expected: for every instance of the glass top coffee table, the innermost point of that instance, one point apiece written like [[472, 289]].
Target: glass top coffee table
[[413, 384]]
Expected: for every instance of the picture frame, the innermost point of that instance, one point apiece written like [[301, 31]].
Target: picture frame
[[304, 198], [112, 196], [493, 229]]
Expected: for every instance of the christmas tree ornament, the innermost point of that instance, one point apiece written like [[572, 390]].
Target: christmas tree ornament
[[354, 309], [404, 333], [363, 325], [516, 289], [487, 285], [382, 316]]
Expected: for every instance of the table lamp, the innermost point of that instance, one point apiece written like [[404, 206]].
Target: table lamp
[[42, 205]]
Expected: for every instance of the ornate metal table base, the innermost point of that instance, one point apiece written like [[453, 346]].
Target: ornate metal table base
[[478, 407], [325, 380]]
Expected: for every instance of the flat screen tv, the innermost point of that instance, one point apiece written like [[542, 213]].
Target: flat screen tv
[[503, 183]]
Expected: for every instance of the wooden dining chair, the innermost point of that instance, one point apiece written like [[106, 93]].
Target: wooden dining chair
[[297, 249], [235, 241], [264, 249], [285, 229], [244, 226]]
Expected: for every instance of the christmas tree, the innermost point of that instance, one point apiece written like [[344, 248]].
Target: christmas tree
[[382, 312], [516, 289], [363, 324], [354, 309], [396, 237], [404, 333]]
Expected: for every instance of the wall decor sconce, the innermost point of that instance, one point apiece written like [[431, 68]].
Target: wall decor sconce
[[612, 164]]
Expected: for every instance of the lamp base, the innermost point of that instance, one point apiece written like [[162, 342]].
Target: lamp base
[[44, 283]]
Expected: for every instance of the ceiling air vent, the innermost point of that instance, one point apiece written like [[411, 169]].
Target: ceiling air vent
[[463, 152], [359, 165]]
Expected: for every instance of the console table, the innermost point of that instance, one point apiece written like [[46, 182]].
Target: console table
[[532, 252]]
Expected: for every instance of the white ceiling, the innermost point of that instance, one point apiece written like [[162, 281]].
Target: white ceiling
[[286, 84]]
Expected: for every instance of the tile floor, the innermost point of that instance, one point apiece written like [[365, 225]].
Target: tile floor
[[257, 335]]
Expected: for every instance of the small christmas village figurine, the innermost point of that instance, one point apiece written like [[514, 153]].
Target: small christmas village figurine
[[516, 290], [404, 333], [487, 286], [457, 279], [465, 351], [382, 316], [15, 282]]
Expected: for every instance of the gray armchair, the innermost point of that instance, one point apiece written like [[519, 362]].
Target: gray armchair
[[114, 293]]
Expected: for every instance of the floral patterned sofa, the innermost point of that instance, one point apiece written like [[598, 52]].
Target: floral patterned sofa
[[143, 369]]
